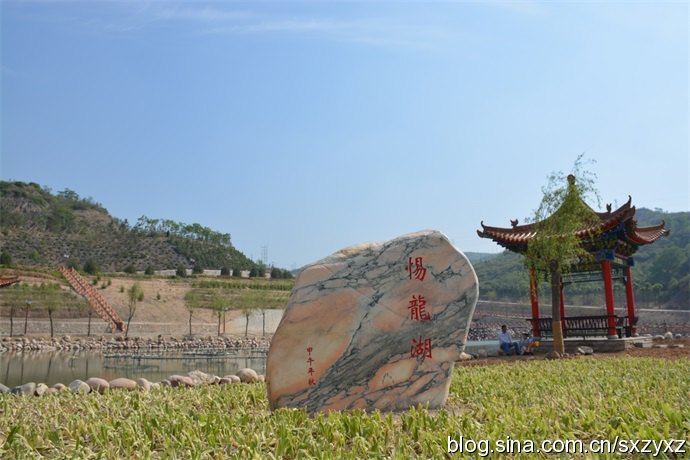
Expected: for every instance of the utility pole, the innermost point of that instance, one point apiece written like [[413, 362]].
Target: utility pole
[[264, 255]]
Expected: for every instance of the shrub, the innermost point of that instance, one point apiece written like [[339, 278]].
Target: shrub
[[90, 267], [276, 273], [237, 272], [181, 271], [197, 269], [149, 270], [130, 269], [122, 289], [158, 296], [253, 273], [5, 258], [224, 271], [72, 263]]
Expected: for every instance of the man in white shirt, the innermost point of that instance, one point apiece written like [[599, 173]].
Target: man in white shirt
[[506, 342]]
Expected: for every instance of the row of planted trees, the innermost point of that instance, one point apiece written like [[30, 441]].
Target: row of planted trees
[[220, 301], [21, 299]]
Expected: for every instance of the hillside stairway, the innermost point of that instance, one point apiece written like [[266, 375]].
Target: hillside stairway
[[6, 281], [95, 299]]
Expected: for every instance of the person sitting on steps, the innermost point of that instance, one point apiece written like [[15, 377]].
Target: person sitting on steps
[[506, 342], [528, 344]]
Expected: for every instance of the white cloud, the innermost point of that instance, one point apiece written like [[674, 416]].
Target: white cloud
[[200, 14], [129, 18]]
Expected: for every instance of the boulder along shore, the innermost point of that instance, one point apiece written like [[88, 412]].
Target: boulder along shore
[[47, 344]]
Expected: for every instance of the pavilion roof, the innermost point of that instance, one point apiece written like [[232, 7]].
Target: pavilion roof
[[621, 221]]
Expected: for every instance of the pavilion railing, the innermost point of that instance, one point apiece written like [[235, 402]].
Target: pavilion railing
[[582, 326]]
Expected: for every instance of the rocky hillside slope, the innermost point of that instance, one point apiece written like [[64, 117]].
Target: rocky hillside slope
[[38, 227]]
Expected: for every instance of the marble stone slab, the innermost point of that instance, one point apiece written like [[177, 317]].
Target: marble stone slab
[[374, 326]]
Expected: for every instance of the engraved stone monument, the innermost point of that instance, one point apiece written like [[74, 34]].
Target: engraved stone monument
[[374, 326]]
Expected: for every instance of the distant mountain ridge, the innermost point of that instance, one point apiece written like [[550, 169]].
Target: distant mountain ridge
[[38, 227], [476, 257]]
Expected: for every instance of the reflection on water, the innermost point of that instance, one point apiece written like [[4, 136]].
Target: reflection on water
[[66, 366]]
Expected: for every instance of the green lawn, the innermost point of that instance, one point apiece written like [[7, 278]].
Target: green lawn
[[582, 398]]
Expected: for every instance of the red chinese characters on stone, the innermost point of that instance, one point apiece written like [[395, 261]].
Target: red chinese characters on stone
[[420, 347], [417, 309], [416, 268], [310, 369]]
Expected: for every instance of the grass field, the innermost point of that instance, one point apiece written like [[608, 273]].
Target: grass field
[[647, 398]]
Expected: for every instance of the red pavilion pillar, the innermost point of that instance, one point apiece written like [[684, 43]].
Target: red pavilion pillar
[[563, 311], [534, 298], [630, 300], [608, 292]]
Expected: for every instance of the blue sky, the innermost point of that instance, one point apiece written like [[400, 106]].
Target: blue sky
[[311, 126]]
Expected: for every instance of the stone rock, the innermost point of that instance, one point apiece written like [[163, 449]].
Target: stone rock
[[658, 337], [383, 323], [98, 385], [216, 380], [165, 383], [553, 355], [201, 378], [59, 387], [182, 381], [482, 353], [679, 336], [225, 381], [676, 345], [28, 389], [247, 375], [123, 384], [4, 389], [233, 378], [659, 345], [584, 350], [143, 384], [41, 389], [155, 386], [668, 336], [465, 357], [79, 387], [51, 391]]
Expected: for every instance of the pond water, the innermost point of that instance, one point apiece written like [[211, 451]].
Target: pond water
[[66, 366]]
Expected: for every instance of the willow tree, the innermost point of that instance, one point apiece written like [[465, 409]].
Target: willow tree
[[556, 246]]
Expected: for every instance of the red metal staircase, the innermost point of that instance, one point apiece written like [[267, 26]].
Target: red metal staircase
[[95, 299], [6, 281]]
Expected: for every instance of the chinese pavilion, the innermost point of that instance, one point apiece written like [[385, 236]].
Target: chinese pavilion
[[611, 239]]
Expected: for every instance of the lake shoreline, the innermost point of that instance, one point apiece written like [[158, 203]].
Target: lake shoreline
[[119, 343]]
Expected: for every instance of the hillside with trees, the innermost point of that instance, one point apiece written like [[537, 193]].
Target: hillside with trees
[[41, 228], [661, 275]]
